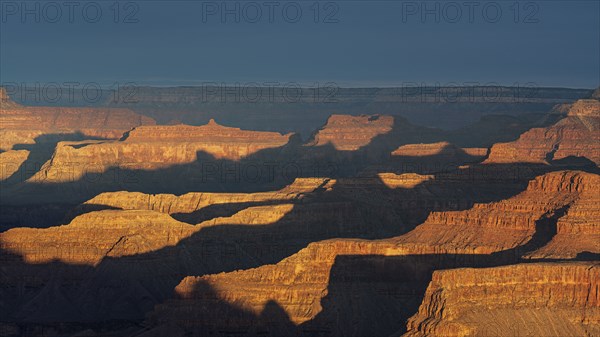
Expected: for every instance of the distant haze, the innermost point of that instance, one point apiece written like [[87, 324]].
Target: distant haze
[[351, 43]]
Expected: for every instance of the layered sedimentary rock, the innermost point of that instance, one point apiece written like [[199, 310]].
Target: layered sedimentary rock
[[10, 161], [547, 299], [5, 101], [493, 227], [444, 149], [73, 118], [211, 132], [28, 125], [434, 157], [38, 129], [578, 231], [93, 236], [350, 133], [195, 201], [141, 255], [573, 139], [152, 148], [349, 287], [238, 301]]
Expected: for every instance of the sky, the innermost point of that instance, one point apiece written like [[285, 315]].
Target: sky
[[349, 43]]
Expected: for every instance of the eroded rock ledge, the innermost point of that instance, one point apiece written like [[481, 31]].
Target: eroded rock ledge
[[546, 299]]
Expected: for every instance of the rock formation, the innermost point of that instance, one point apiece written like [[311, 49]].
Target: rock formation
[[24, 124], [578, 232], [444, 149], [313, 287], [499, 226], [575, 137], [10, 161], [153, 147], [546, 299], [435, 157], [192, 202], [350, 133], [5, 101], [163, 246], [91, 237]]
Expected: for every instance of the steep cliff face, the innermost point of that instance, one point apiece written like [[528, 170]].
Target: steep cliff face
[[25, 125], [296, 285], [191, 202], [5, 101], [444, 149], [155, 147], [91, 237], [80, 118], [349, 133], [10, 161], [493, 227], [211, 132], [139, 256], [578, 232], [576, 135], [435, 157], [549, 299], [349, 287]]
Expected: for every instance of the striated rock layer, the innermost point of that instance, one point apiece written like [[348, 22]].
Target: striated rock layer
[[347, 287], [193, 202], [435, 157], [532, 214], [26, 125], [10, 161], [578, 232], [572, 138], [155, 147], [91, 237], [444, 149], [546, 299], [137, 257], [350, 133]]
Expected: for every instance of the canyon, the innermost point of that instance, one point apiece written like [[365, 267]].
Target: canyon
[[116, 225]]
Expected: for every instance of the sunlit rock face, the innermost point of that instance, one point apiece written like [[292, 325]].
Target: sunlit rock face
[[545, 299], [310, 291], [435, 157], [195, 201], [443, 149], [96, 235], [296, 287], [379, 248], [574, 139], [10, 161], [578, 231], [487, 228], [33, 124], [350, 133], [141, 246], [155, 147]]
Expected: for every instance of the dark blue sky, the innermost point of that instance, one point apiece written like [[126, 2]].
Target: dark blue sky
[[364, 43]]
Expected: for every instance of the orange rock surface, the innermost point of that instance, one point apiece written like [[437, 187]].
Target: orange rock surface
[[546, 299], [23, 124], [576, 135], [492, 227], [441, 148], [10, 161], [190, 202], [354, 255], [91, 237], [302, 285], [155, 147], [349, 133]]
